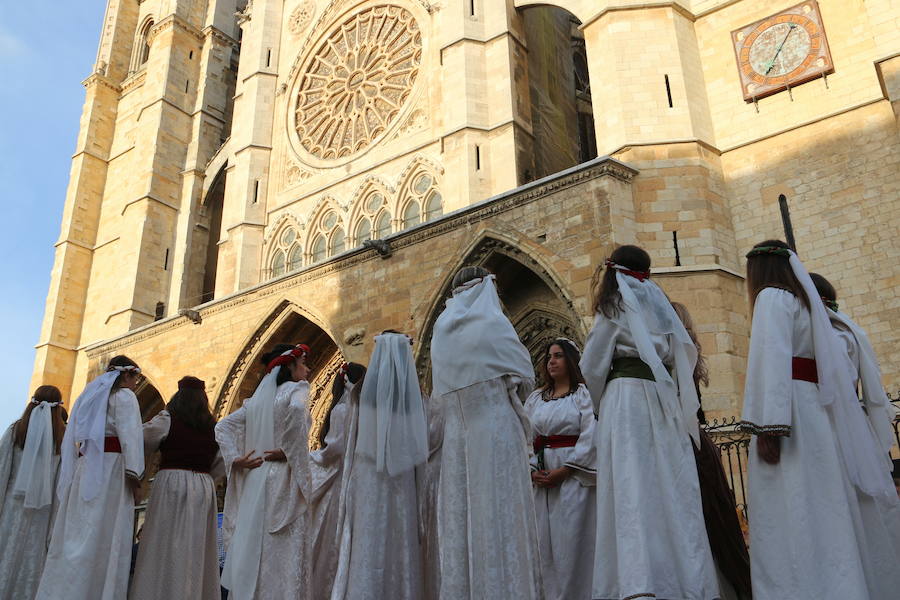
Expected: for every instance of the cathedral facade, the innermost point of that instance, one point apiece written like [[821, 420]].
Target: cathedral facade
[[258, 171]]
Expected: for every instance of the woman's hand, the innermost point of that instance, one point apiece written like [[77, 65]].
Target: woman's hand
[[768, 447], [551, 478], [247, 461], [276, 455]]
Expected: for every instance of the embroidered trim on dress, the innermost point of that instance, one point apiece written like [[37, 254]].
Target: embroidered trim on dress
[[548, 397], [754, 429], [580, 468]]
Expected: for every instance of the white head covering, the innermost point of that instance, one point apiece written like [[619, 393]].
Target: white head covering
[[392, 427], [36, 473], [647, 310], [837, 393], [473, 341], [878, 408], [245, 550], [85, 433]]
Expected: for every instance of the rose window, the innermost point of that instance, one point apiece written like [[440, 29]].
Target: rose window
[[357, 81]]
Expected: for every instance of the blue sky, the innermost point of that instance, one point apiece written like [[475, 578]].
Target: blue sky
[[47, 48]]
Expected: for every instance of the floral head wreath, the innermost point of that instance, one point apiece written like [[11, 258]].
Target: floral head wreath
[[298, 351], [769, 250], [50, 404], [830, 303], [568, 341], [639, 275]]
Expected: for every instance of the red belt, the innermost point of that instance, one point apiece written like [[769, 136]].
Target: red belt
[[110, 444], [554, 441], [804, 369]]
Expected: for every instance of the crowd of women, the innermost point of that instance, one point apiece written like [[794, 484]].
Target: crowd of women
[[598, 484]]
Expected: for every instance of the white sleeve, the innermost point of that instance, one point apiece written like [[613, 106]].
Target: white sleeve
[[230, 436], [292, 435], [583, 457], [768, 390], [129, 431], [530, 404], [597, 357], [155, 431], [6, 456]]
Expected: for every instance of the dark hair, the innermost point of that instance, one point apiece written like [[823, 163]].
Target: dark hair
[[824, 287], [607, 299], [45, 393], [355, 373], [467, 274], [190, 405], [572, 359], [285, 374], [701, 371], [120, 361], [772, 270]]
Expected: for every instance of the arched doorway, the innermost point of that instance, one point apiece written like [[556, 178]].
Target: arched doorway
[[533, 300], [149, 399], [285, 324]]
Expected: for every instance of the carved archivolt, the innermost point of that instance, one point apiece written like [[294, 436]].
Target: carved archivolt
[[355, 84]]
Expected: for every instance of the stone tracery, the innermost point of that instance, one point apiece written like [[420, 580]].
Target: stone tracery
[[357, 81]]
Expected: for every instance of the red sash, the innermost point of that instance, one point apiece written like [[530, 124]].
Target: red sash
[[804, 369], [110, 444], [554, 441]]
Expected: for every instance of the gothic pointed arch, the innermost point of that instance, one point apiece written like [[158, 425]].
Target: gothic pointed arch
[[286, 322], [283, 246], [208, 234], [327, 225], [418, 197], [371, 198], [538, 305], [149, 398]]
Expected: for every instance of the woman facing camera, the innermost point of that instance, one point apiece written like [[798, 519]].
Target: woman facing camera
[[564, 473], [178, 557], [29, 463]]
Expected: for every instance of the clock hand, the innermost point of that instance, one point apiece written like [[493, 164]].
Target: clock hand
[[771, 63]]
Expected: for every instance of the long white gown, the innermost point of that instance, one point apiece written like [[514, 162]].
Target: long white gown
[[90, 547], [284, 567], [486, 520], [803, 511], [325, 470], [428, 478], [380, 555], [178, 556], [651, 537], [24, 532], [567, 514], [878, 522]]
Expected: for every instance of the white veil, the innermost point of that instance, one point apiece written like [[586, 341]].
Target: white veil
[[392, 427], [647, 310], [865, 463], [245, 550], [878, 408], [473, 341], [85, 433], [35, 478]]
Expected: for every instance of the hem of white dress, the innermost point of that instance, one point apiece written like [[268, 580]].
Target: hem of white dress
[[580, 468]]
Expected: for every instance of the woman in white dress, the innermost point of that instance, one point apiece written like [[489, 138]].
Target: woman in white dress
[[101, 466], [29, 462], [178, 557], [326, 466], [564, 473], [481, 376], [879, 523], [812, 444], [265, 506], [380, 554], [638, 363]]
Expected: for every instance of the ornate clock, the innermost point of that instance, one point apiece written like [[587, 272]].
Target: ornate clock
[[782, 51]]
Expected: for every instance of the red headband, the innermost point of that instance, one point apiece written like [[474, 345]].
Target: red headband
[[639, 275], [191, 383], [298, 351]]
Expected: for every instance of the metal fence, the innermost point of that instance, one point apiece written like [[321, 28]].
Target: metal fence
[[734, 447]]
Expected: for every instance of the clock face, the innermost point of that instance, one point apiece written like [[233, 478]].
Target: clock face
[[781, 51]]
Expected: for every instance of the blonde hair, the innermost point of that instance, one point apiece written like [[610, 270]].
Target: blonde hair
[[701, 372]]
